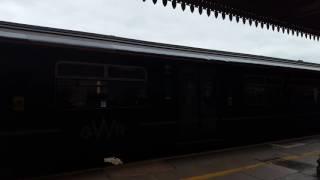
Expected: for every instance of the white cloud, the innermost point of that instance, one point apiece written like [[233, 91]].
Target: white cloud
[[145, 21]]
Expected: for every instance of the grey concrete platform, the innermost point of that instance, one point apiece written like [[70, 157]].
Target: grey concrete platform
[[285, 160]]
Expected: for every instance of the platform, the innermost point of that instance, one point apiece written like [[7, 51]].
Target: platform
[[284, 160]]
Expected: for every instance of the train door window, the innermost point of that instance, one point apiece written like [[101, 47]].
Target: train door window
[[207, 88], [315, 95], [208, 92], [274, 91], [168, 82], [255, 91]]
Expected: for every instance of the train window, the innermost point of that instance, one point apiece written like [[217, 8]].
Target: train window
[[126, 73], [305, 95], [80, 93], [263, 91], [88, 86], [74, 94], [80, 70], [126, 93]]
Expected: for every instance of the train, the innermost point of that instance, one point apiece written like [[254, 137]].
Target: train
[[71, 98]]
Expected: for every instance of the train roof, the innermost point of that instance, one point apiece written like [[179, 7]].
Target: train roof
[[37, 34]]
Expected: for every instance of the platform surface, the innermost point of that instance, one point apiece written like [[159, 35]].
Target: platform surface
[[286, 160]]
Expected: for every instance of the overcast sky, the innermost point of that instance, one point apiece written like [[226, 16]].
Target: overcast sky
[[145, 21]]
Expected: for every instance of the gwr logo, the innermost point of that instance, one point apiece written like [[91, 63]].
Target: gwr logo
[[103, 130]]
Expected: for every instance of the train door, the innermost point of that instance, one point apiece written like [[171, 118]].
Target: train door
[[197, 103], [189, 103], [207, 93], [100, 105]]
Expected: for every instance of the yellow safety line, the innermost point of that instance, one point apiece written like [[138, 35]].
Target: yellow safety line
[[225, 172], [248, 167], [313, 153]]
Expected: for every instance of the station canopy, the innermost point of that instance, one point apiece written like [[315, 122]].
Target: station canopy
[[295, 17]]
